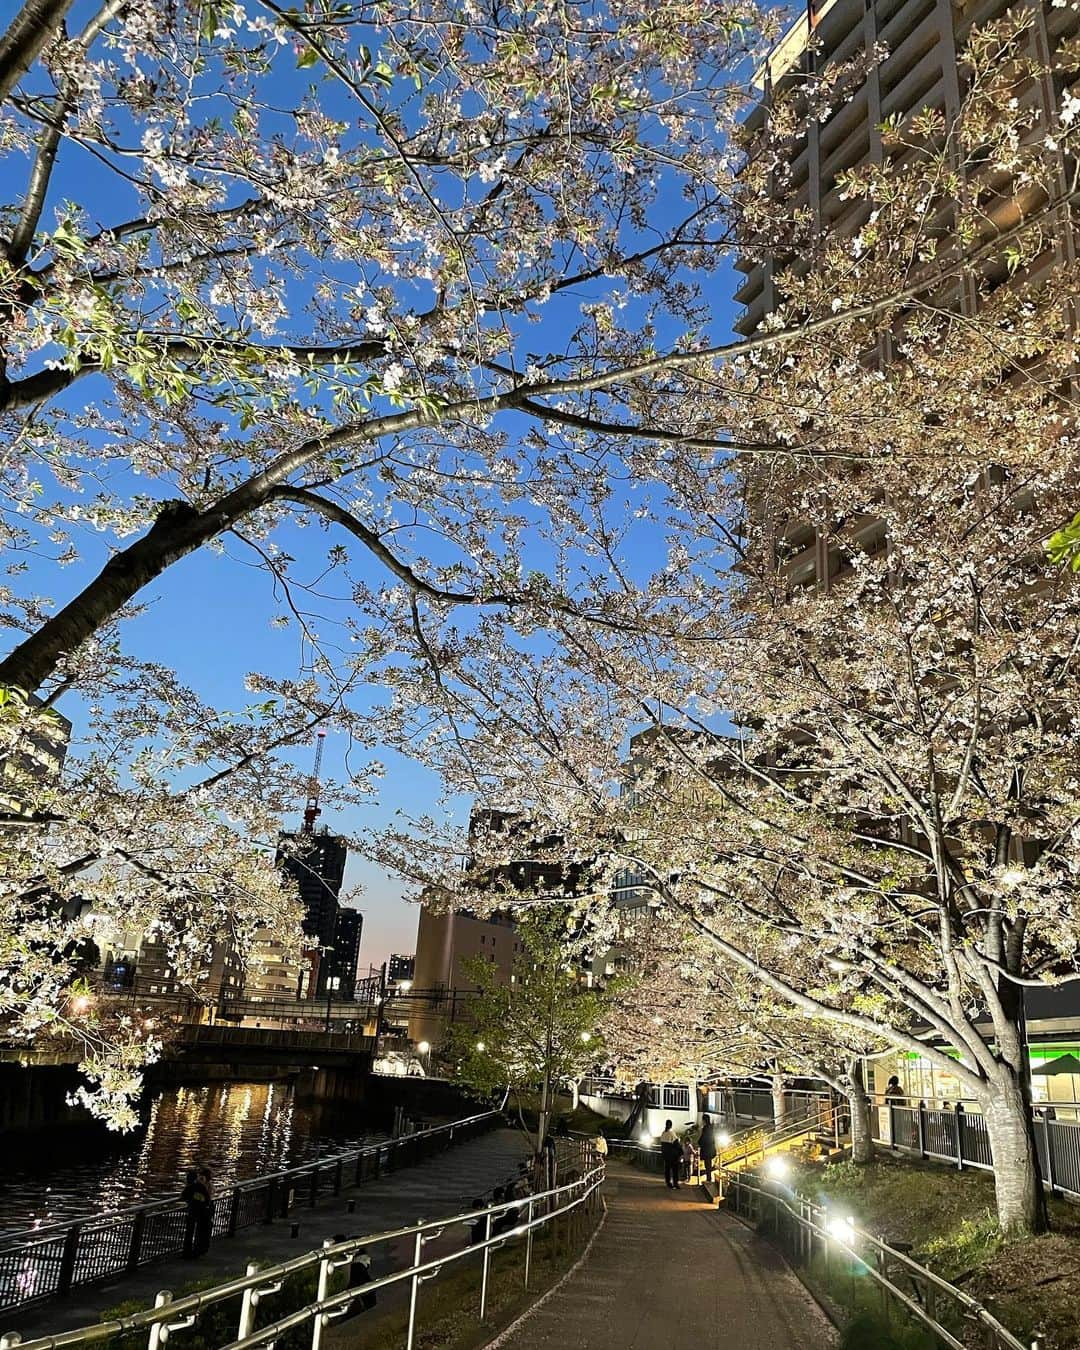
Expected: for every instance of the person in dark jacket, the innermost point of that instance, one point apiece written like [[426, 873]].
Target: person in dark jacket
[[197, 1220], [503, 1222], [707, 1146], [671, 1152], [359, 1275]]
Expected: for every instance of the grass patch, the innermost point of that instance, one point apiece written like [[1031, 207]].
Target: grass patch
[[872, 1331], [448, 1307], [1031, 1285]]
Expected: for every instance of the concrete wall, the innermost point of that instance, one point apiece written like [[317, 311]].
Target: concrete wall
[[34, 1108]]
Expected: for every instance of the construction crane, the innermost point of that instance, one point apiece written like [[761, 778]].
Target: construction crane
[[311, 809]]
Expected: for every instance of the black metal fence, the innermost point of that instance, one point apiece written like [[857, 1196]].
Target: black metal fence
[[52, 1261], [961, 1137]]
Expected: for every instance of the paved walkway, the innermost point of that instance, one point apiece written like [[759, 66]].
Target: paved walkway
[[442, 1184], [668, 1272]]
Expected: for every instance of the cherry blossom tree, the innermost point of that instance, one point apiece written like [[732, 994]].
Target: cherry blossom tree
[[437, 280], [861, 791], [686, 1012], [265, 268]]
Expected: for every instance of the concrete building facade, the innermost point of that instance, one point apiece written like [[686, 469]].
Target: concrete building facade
[[441, 983]]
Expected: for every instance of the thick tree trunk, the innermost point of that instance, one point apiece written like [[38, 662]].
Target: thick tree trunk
[[862, 1138], [1021, 1206], [779, 1100], [38, 23], [177, 531]]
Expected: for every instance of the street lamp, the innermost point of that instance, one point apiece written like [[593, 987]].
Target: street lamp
[[425, 1051]]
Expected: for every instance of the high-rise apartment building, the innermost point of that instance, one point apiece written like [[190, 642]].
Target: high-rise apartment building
[[910, 52], [342, 961], [316, 862], [921, 40]]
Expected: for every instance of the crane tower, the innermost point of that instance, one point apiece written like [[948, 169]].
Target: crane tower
[[311, 809]]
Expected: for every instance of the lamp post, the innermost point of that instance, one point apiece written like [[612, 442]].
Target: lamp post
[[425, 1053]]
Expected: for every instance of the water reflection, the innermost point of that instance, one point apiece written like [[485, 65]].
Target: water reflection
[[238, 1130]]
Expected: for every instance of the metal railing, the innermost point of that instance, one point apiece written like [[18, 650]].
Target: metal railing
[[813, 1114], [575, 1201], [49, 1262], [815, 1239], [961, 1137]]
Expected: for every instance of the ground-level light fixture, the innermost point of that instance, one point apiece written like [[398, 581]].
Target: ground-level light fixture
[[586, 1036], [424, 1047], [841, 1227], [777, 1167], [481, 1046]]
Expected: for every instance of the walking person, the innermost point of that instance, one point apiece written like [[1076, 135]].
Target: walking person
[[600, 1144], [671, 1152], [197, 1220], [707, 1146], [688, 1157]]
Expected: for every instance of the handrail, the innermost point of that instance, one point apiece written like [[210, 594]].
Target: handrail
[[27, 1235], [787, 1128], [324, 1308], [47, 1263], [329, 1257], [814, 1218]]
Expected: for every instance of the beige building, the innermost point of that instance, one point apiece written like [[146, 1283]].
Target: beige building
[[441, 986], [921, 39], [920, 69], [275, 969]]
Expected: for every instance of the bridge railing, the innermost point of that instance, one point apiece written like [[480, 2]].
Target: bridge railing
[[575, 1200], [816, 1238], [51, 1261]]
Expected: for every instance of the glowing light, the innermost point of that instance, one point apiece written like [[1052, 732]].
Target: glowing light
[[80, 1004], [405, 986], [586, 1036], [777, 1167], [723, 1138], [841, 1227], [424, 1047], [481, 1046]]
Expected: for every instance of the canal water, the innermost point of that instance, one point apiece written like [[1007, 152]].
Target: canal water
[[238, 1130]]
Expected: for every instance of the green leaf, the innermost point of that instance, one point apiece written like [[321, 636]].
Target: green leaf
[[308, 57]]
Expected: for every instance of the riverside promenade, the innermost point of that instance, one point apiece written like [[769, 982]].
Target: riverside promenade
[[442, 1184], [666, 1270]]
